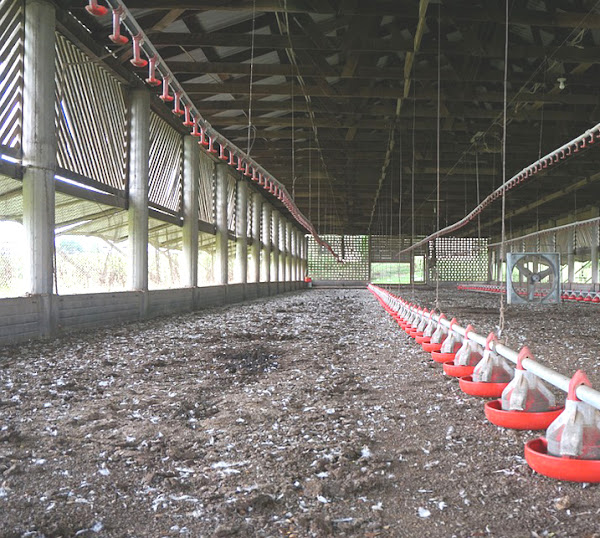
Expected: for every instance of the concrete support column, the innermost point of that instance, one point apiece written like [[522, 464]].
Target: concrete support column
[[266, 240], [594, 254], [571, 256], [289, 252], [305, 257], [139, 148], [190, 212], [39, 156], [282, 248], [222, 250], [254, 269], [498, 265], [294, 254], [275, 252], [490, 264], [241, 231]]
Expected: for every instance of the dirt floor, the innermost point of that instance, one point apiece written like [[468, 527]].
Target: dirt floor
[[310, 414]]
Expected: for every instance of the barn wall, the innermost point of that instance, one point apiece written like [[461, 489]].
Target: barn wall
[[21, 319]]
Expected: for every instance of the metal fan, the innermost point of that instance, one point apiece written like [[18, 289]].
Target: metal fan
[[539, 277]]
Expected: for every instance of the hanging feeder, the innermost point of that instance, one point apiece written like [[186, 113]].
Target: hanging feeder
[[437, 338], [137, 60], [116, 37], [222, 155], [96, 10], [188, 121], [177, 104], [165, 97], [465, 359], [428, 332], [449, 348], [571, 449], [422, 324], [152, 80], [526, 403], [491, 375]]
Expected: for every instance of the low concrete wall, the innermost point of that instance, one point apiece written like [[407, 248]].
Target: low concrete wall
[[23, 318]]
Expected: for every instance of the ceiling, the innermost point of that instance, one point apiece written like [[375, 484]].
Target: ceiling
[[342, 99]]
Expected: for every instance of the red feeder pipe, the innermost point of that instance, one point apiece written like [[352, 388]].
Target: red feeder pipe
[[247, 171], [240, 166], [195, 131], [95, 9], [177, 104], [254, 177], [152, 80], [116, 36], [188, 119], [165, 97], [137, 59], [231, 158]]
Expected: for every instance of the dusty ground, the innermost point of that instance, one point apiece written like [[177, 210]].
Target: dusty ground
[[310, 414]]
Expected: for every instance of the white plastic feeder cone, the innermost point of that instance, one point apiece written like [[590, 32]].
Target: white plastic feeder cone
[[492, 368], [468, 354], [526, 392], [576, 432]]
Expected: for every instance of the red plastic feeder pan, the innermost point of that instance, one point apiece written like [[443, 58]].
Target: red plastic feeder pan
[[520, 420], [429, 347], [571, 469], [422, 339], [440, 357], [454, 370], [485, 390]]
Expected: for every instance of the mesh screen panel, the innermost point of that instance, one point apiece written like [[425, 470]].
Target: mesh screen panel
[[460, 259], [323, 266]]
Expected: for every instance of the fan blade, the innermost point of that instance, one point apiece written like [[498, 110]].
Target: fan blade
[[546, 273], [520, 265]]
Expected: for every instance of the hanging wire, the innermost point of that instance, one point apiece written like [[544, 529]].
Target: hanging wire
[[400, 243], [250, 143], [437, 212], [293, 145], [412, 188], [310, 176], [478, 195], [503, 238]]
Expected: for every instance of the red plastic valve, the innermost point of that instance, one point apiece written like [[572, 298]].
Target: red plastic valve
[[95, 9], [137, 59], [188, 119], [165, 97], [177, 104], [247, 172], [116, 36], [152, 80], [240, 166], [195, 131], [254, 176]]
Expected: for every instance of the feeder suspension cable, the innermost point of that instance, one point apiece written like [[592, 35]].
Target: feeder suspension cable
[[437, 211], [503, 239], [249, 146]]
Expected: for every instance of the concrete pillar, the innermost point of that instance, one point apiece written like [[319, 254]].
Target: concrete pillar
[[498, 265], [305, 257], [282, 248], [275, 252], [594, 254], [139, 148], [490, 253], [289, 252], [222, 250], [39, 156], [266, 240], [190, 212], [254, 270], [241, 232], [571, 256], [294, 254]]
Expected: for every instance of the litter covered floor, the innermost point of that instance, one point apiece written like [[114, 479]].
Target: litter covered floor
[[310, 414]]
